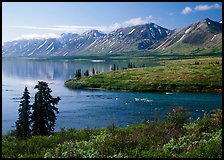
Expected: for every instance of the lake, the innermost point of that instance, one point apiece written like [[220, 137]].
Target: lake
[[91, 108]]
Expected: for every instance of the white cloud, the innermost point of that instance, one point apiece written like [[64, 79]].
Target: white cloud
[[79, 29], [137, 21], [207, 7], [187, 10], [38, 36]]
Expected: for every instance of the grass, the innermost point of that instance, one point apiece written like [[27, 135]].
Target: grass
[[174, 137], [173, 75]]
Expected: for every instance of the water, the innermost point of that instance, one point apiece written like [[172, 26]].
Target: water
[[91, 108]]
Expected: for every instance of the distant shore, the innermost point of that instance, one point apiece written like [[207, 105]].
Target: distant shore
[[189, 75]]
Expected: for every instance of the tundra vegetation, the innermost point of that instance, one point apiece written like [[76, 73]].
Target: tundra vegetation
[[174, 137], [187, 75]]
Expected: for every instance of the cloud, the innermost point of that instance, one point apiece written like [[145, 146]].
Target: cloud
[[79, 29], [38, 36], [187, 10], [137, 21], [207, 7]]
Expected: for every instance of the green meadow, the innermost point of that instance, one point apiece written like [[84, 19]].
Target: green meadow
[[184, 75]]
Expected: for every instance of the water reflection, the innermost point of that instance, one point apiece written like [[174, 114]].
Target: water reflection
[[59, 69], [90, 108]]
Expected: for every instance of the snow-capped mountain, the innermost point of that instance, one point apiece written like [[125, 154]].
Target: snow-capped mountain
[[146, 37], [205, 35]]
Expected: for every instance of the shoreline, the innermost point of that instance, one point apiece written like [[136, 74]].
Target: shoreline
[[175, 76]]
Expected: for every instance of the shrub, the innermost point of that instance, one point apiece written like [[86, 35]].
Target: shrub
[[207, 145], [178, 116]]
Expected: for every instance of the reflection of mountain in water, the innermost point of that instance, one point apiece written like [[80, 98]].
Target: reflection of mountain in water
[[47, 69]]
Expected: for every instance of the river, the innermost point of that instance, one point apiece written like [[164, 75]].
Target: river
[[91, 108]]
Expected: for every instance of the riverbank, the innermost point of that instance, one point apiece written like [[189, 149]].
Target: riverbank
[[186, 75], [174, 137]]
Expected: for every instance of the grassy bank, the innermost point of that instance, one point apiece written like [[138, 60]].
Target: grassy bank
[[170, 138], [188, 75]]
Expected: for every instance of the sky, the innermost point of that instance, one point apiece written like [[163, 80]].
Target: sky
[[28, 20]]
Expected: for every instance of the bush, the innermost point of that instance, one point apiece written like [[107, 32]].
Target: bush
[[207, 145], [178, 116], [82, 149]]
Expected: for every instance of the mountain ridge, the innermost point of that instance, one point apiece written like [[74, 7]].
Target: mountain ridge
[[199, 37]]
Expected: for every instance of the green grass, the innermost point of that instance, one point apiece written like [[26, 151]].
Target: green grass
[[173, 75], [170, 138]]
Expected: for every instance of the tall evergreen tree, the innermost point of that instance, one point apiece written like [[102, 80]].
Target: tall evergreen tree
[[78, 74], [23, 123], [43, 117], [86, 73], [93, 71]]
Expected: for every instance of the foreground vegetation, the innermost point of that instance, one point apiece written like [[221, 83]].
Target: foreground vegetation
[[188, 75], [173, 137]]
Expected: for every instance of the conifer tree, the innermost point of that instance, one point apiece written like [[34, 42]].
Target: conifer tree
[[23, 123], [93, 71], [86, 73], [43, 117], [78, 74]]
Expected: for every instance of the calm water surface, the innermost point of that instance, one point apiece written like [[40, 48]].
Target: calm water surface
[[91, 108]]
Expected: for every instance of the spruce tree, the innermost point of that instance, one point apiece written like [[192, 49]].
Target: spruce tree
[[86, 73], [93, 71], [43, 117], [78, 74], [23, 123]]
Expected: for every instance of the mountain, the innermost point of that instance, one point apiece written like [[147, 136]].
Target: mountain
[[199, 37], [134, 38]]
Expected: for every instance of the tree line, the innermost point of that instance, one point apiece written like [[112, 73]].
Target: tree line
[[42, 119], [114, 67]]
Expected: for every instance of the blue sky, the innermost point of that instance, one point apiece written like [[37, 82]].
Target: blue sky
[[50, 19]]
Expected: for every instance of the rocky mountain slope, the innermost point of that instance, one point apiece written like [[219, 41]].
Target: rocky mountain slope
[[201, 37]]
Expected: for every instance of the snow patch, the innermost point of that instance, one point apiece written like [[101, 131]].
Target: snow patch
[[220, 21], [112, 44], [209, 23], [105, 41], [65, 54], [155, 25], [213, 37], [181, 38], [50, 45], [31, 52], [110, 51], [91, 44], [159, 31], [42, 45], [131, 31], [50, 50], [142, 30], [188, 30]]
